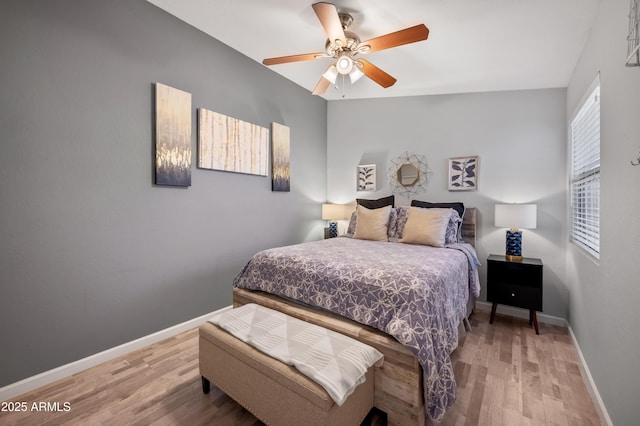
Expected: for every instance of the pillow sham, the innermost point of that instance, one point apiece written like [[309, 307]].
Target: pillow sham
[[372, 224], [376, 204], [397, 224], [457, 206], [351, 229], [454, 235], [402, 213], [426, 226]]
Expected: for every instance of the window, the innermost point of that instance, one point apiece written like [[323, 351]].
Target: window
[[584, 137]]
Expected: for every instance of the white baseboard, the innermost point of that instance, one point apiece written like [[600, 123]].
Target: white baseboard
[[584, 368], [591, 385], [522, 313], [42, 379]]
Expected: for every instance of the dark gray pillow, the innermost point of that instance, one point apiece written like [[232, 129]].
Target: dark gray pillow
[[457, 206], [376, 204]]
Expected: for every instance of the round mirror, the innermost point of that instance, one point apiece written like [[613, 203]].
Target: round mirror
[[408, 174]]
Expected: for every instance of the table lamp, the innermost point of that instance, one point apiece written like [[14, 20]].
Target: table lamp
[[515, 216], [333, 213]]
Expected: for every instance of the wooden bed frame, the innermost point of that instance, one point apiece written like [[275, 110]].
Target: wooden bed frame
[[398, 382]]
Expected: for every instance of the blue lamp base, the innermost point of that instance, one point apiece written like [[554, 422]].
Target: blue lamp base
[[514, 246], [333, 229]]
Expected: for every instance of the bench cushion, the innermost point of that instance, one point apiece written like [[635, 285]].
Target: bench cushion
[[336, 362]]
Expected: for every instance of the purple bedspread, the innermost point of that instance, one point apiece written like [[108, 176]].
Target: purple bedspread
[[417, 294]]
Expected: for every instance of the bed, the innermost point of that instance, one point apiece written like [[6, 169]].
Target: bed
[[407, 300]]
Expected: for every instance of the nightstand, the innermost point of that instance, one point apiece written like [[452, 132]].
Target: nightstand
[[516, 284]]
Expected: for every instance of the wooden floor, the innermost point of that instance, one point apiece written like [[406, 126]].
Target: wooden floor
[[506, 376]]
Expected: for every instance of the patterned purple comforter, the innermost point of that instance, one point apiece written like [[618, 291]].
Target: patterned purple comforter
[[417, 294]]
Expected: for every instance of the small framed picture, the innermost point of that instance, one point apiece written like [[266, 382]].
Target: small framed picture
[[463, 173], [367, 177]]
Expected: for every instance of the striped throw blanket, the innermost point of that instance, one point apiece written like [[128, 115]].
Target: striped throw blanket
[[336, 362]]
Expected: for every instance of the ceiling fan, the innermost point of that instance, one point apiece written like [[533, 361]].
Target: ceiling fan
[[343, 45]]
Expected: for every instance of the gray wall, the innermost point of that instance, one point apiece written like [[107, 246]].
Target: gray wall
[[519, 136], [605, 295], [93, 255]]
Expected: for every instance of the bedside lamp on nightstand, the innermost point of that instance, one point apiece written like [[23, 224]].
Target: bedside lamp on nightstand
[[514, 216], [332, 213]]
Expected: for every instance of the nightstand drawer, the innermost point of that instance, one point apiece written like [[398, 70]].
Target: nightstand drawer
[[515, 273], [515, 295]]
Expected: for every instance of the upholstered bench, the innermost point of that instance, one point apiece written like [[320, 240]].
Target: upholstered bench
[[274, 392]]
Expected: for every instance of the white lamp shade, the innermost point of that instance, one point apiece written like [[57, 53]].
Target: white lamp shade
[[333, 212], [331, 74], [355, 74], [516, 216], [344, 64]]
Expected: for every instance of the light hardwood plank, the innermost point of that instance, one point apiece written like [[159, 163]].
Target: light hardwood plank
[[517, 377], [506, 375]]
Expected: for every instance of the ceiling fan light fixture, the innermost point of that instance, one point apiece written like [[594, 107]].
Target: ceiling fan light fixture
[[331, 74], [344, 64], [355, 74]]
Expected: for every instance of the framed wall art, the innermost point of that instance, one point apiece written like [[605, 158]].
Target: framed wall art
[[173, 136], [226, 143], [367, 177], [280, 158], [463, 173], [633, 37]]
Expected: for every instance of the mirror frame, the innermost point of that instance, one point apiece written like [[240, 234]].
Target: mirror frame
[[415, 186]]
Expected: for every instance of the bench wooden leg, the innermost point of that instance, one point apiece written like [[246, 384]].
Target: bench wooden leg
[[493, 312], [206, 385]]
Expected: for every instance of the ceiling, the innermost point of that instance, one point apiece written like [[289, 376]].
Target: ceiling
[[473, 45]]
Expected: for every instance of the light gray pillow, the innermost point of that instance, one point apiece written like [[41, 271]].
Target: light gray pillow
[[426, 226], [372, 224]]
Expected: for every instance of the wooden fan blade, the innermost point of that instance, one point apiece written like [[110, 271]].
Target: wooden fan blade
[[376, 74], [321, 87], [398, 38], [294, 58], [328, 16]]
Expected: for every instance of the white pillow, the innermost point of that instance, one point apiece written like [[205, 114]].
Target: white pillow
[[372, 223], [426, 226]]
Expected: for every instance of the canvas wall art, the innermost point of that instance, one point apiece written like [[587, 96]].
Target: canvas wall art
[[367, 177], [463, 173], [280, 158], [226, 143], [173, 136]]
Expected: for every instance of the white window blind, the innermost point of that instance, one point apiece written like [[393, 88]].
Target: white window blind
[[585, 175]]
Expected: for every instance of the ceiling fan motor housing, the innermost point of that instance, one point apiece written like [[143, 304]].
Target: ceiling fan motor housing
[[334, 47], [345, 19]]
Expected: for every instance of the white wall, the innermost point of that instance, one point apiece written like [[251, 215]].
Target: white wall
[[605, 295], [519, 136]]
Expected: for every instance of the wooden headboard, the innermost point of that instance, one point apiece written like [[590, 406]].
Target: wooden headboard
[[469, 226]]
